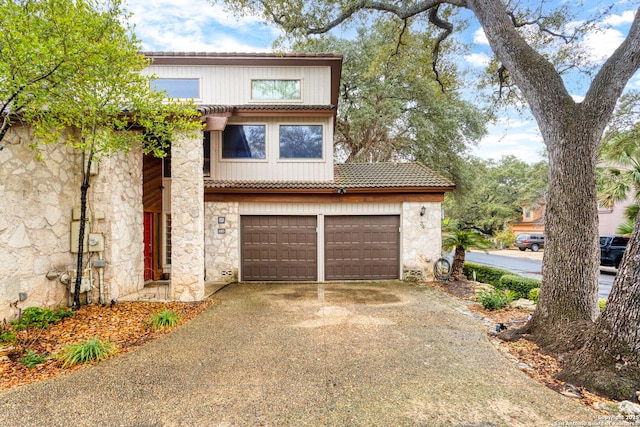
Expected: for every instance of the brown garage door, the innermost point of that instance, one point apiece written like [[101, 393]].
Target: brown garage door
[[279, 248], [362, 247]]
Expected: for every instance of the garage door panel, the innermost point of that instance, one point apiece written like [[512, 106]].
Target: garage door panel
[[362, 247], [279, 248]]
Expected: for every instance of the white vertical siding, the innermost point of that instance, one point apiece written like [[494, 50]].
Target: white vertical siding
[[231, 85], [272, 168], [247, 208]]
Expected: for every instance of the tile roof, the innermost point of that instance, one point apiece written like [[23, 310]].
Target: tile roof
[[243, 54], [218, 109], [356, 175]]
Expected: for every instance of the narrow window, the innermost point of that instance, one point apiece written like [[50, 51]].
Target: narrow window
[[243, 142], [178, 88], [206, 152], [275, 90], [300, 141], [167, 236]]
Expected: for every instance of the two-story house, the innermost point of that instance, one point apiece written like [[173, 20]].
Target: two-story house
[[255, 197]]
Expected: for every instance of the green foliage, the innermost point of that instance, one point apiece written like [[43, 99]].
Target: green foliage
[[495, 299], [390, 104], [36, 317], [7, 336], [518, 284], [464, 239], [90, 351], [497, 192], [31, 359], [163, 319], [505, 237], [485, 274], [601, 303], [534, 294]]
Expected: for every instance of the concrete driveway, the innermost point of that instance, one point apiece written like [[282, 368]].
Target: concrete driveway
[[305, 354]]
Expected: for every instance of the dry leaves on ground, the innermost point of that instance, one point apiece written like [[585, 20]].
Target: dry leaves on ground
[[527, 355], [123, 323]]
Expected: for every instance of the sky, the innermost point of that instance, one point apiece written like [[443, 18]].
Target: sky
[[198, 26]]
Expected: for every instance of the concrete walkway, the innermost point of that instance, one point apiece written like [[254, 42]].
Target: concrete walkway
[[305, 354]]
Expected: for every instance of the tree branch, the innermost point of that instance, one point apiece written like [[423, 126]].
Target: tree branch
[[448, 29]]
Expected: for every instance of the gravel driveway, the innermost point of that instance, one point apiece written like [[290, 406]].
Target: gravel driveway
[[361, 354]]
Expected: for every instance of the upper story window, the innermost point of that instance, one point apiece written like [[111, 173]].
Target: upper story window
[[275, 90], [244, 142], [178, 88], [300, 141]]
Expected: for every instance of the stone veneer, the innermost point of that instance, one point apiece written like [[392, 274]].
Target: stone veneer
[[187, 220], [35, 222], [117, 193], [421, 237], [35, 213], [222, 241]]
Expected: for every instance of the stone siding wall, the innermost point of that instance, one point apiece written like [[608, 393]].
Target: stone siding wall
[[421, 239], [222, 241], [35, 213], [116, 192], [187, 220]]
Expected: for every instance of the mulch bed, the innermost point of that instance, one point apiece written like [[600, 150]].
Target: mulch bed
[[124, 324]]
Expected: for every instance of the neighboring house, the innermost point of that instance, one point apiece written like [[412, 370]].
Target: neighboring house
[[532, 219], [612, 218], [256, 196]]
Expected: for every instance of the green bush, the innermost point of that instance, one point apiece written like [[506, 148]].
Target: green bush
[[163, 319], [31, 359], [495, 299], [41, 317], [484, 274], [7, 336], [93, 350], [518, 284], [602, 302], [534, 294]]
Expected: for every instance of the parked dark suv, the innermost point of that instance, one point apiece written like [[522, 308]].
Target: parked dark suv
[[531, 241], [611, 250]]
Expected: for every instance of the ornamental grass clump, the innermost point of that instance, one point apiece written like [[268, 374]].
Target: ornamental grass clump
[[31, 359], [163, 319], [90, 351], [496, 299]]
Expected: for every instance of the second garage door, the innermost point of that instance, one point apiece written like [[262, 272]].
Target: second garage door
[[362, 247], [279, 247]]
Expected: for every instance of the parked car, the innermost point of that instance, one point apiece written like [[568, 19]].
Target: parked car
[[532, 241], [611, 250]]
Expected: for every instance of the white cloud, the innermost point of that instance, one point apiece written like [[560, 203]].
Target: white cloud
[[196, 25], [480, 37], [513, 137], [616, 20], [478, 59], [601, 44]]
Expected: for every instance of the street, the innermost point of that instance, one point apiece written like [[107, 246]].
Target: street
[[522, 263]]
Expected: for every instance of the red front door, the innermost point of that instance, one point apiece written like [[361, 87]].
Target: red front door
[[148, 246]]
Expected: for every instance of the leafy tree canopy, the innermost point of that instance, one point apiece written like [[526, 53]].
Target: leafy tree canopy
[[498, 191]]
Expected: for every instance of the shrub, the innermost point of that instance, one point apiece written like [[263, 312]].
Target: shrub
[[602, 302], [163, 319], [93, 350], [41, 317], [31, 359], [7, 336], [484, 274], [534, 294], [495, 299], [518, 284]]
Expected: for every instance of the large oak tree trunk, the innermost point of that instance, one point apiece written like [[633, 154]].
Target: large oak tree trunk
[[609, 361], [571, 132]]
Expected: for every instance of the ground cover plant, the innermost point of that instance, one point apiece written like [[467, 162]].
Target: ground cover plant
[[124, 324]]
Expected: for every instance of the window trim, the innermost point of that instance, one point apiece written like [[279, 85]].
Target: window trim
[[197, 79], [253, 100], [245, 159], [301, 159]]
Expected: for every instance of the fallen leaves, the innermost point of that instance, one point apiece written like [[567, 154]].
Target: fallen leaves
[[124, 324]]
